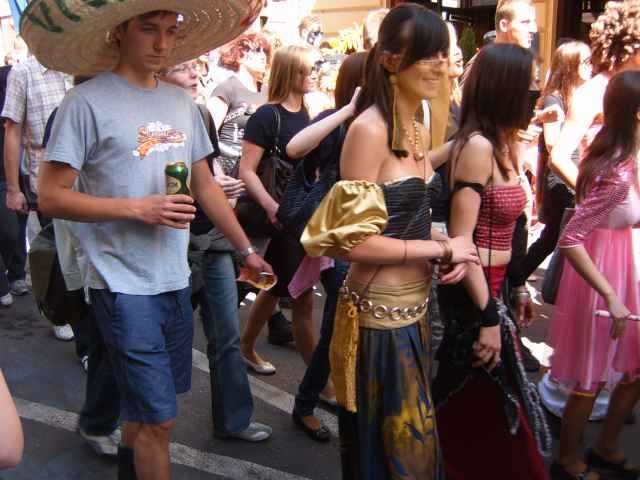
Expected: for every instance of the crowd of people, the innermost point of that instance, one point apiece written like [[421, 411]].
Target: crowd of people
[[398, 178]]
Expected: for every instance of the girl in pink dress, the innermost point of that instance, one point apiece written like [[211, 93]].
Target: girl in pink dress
[[591, 352]]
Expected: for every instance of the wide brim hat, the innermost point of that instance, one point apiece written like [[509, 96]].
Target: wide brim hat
[[75, 36]]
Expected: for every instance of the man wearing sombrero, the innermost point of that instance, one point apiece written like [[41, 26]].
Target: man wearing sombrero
[[111, 140]]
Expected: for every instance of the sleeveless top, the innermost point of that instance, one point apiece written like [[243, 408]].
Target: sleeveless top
[[408, 208], [500, 208]]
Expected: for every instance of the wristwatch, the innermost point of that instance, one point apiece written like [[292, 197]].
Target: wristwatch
[[250, 250]]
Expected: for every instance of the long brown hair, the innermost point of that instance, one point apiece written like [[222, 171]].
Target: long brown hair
[[350, 76], [564, 78], [412, 31], [616, 142], [564, 74], [495, 101], [288, 64]]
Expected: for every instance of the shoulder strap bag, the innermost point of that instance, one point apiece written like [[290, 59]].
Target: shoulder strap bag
[[274, 172]]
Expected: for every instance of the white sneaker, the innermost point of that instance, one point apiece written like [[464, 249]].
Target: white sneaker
[[64, 333], [19, 287], [255, 432], [103, 445], [6, 300], [84, 361]]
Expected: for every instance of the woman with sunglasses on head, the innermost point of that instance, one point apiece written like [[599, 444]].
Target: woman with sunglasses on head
[[291, 77], [592, 352], [237, 98], [377, 217], [487, 421]]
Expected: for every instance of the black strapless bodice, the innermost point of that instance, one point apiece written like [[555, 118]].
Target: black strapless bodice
[[409, 209]]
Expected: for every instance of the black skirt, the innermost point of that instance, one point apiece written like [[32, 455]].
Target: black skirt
[[284, 254]]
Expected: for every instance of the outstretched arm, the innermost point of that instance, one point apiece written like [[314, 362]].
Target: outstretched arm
[[580, 117], [309, 138], [362, 158]]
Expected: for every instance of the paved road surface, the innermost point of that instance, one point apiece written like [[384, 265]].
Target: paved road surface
[[48, 384]]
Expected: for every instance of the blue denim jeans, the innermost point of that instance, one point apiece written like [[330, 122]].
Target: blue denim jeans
[[317, 374], [13, 248], [101, 410], [231, 401]]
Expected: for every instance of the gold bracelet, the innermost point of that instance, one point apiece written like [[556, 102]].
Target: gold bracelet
[[447, 251]]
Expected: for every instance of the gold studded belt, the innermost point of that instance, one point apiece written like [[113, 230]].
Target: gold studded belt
[[387, 307]]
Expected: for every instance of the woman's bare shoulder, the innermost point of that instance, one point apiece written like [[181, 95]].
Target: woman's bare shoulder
[[365, 147], [475, 160]]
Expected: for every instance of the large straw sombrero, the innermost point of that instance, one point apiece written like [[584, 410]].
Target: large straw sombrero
[[74, 36]]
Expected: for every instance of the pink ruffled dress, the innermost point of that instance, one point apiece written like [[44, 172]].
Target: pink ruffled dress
[[585, 354]]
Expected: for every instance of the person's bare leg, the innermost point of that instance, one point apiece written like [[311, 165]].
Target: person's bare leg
[[260, 312], [151, 451], [303, 331], [623, 399], [129, 433], [575, 416]]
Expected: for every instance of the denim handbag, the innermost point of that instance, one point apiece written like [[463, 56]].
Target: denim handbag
[[305, 191], [551, 280]]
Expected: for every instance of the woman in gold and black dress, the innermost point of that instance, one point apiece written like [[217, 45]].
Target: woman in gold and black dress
[[378, 218]]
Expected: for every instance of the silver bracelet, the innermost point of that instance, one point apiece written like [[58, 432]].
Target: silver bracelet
[[250, 250]]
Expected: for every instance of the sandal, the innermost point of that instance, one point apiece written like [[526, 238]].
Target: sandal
[[558, 472], [622, 469]]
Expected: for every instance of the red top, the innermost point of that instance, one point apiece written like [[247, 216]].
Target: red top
[[500, 208]]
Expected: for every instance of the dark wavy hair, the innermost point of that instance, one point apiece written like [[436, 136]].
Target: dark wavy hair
[[412, 31], [495, 100], [615, 143]]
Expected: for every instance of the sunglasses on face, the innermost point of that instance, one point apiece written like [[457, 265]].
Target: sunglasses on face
[[313, 69], [439, 60]]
